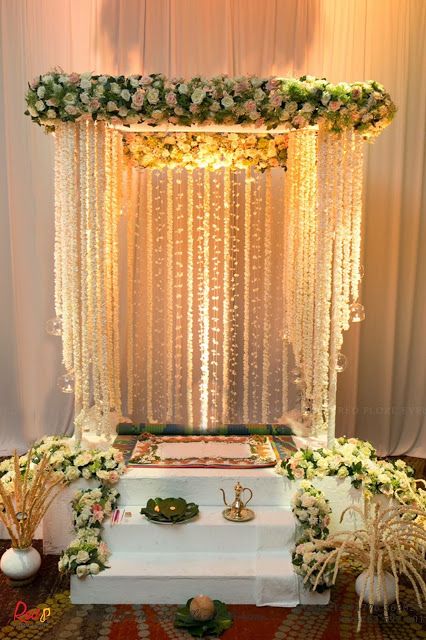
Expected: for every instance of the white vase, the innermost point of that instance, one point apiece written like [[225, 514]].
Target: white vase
[[20, 565], [379, 599]]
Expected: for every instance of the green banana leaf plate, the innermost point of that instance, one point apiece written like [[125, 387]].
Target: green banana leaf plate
[[169, 510]]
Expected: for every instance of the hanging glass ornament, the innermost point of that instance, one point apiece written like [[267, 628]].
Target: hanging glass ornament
[[66, 383], [54, 326], [357, 312], [341, 362]]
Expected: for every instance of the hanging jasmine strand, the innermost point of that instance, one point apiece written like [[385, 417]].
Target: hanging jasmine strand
[[190, 296], [246, 332], [266, 299], [205, 342], [227, 265], [169, 286]]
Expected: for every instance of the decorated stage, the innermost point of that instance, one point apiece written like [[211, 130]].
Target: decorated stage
[[241, 563]]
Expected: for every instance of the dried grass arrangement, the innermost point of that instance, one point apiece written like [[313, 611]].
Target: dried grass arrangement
[[392, 540], [25, 496]]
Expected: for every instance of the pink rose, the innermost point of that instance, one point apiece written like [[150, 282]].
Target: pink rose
[[113, 477], [173, 120], [52, 102], [193, 108], [94, 104], [298, 473], [335, 105], [145, 80], [276, 100], [98, 513], [34, 83], [250, 105], [74, 78], [118, 456], [171, 99], [138, 97]]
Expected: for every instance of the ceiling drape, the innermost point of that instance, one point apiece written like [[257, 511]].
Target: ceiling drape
[[382, 394]]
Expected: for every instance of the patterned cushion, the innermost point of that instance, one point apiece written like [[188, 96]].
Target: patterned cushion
[[181, 429]]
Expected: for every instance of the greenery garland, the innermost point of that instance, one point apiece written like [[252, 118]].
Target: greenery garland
[[248, 100]]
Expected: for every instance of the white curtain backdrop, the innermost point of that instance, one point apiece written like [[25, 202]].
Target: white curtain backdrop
[[382, 394]]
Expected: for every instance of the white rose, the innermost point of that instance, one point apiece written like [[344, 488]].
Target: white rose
[[87, 474], [83, 459], [33, 112], [125, 94], [183, 88], [85, 83], [69, 98], [82, 556], [84, 97], [72, 473], [40, 106], [152, 96], [82, 571], [41, 91], [227, 101], [134, 82], [94, 568], [123, 111], [198, 96], [47, 78], [115, 88], [102, 79]]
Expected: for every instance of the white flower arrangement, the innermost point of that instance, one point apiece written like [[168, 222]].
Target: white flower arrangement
[[91, 507], [312, 511], [249, 100], [209, 151], [73, 462], [357, 460], [85, 555]]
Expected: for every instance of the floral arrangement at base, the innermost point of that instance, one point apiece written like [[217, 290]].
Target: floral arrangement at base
[[206, 150], [66, 462], [391, 543], [312, 511], [87, 554], [247, 100], [357, 460]]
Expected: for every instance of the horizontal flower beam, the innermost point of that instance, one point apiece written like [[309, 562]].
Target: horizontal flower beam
[[250, 101]]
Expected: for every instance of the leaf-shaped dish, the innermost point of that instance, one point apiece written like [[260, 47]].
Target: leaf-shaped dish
[[169, 510]]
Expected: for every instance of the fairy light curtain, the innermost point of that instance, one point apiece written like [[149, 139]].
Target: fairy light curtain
[[233, 307]]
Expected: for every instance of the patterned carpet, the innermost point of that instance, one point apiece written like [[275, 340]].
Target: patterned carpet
[[140, 622]]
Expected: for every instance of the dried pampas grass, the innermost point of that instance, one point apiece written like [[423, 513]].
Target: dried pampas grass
[[26, 495]]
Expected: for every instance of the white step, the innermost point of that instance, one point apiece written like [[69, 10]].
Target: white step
[[202, 485], [168, 578], [272, 528]]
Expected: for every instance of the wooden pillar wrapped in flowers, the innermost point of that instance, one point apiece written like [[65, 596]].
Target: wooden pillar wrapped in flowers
[[194, 167]]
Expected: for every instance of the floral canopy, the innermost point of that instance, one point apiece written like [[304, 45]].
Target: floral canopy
[[186, 165]]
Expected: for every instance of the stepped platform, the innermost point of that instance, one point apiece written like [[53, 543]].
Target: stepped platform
[[240, 563]]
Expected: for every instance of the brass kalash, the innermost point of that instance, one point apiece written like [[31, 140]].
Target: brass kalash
[[237, 511]]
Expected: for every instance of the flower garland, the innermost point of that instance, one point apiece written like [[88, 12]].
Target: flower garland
[[155, 99], [312, 511], [209, 151], [87, 554], [356, 459]]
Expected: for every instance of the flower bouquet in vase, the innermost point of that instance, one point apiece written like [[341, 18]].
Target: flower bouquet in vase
[[26, 493]]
